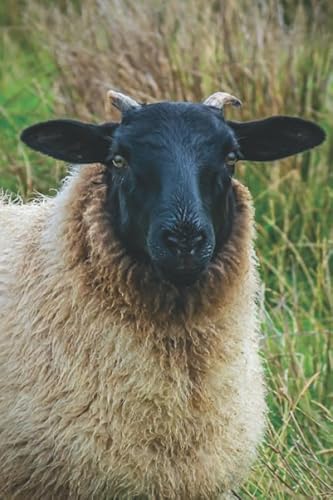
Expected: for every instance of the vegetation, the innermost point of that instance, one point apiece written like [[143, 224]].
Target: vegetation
[[57, 59]]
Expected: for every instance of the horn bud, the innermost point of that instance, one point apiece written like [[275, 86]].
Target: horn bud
[[120, 101], [220, 99]]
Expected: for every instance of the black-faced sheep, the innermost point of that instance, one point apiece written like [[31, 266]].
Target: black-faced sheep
[[129, 362]]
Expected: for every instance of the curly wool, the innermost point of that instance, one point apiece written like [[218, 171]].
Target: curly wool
[[114, 384]]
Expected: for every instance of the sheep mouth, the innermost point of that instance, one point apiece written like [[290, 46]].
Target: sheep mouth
[[180, 276]]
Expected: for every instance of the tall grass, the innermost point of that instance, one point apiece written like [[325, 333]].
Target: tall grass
[[26, 95], [277, 56]]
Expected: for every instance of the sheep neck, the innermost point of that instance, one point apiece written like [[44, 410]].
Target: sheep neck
[[127, 286]]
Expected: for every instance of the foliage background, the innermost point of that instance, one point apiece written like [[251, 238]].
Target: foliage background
[[58, 57]]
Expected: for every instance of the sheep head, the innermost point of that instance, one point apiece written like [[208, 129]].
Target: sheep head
[[169, 169]]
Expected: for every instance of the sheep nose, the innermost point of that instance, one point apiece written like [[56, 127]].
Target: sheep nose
[[183, 244]]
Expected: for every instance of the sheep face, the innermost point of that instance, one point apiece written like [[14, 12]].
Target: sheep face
[[169, 168], [169, 186]]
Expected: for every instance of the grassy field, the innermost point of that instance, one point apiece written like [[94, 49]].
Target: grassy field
[[277, 56]]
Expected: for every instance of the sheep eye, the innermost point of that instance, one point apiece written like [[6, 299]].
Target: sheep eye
[[231, 158], [119, 161]]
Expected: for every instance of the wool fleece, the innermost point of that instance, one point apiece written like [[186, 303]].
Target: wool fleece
[[113, 383]]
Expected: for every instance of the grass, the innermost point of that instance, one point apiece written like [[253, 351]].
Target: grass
[[277, 56], [26, 79]]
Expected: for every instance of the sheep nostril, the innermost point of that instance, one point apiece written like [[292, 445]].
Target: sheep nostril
[[171, 240], [198, 240]]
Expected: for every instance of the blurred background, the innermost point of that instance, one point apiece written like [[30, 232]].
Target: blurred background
[[58, 58]]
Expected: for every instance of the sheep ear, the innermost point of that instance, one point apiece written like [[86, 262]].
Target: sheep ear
[[70, 141], [276, 137]]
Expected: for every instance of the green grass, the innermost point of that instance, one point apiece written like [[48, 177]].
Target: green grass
[[278, 60], [26, 82]]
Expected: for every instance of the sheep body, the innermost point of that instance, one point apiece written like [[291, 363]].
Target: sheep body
[[112, 383]]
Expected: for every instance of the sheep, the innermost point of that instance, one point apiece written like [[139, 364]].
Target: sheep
[[129, 338]]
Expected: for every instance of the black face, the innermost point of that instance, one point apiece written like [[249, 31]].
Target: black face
[[169, 174], [170, 186]]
